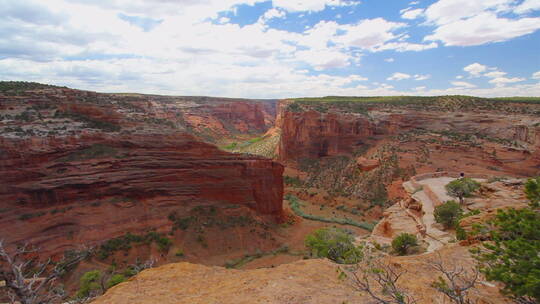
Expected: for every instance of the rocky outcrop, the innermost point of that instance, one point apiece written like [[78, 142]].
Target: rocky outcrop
[[491, 139], [309, 281], [313, 134], [365, 164], [74, 112]]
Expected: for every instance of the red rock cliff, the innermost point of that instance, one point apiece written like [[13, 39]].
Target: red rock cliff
[[312, 134], [97, 187]]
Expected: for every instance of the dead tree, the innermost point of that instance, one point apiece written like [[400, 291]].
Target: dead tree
[[140, 266], [380, 281], [30, 281], [455, 282]]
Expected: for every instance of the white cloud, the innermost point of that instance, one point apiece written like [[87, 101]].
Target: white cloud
[[449, 11], [369, 33], [459, 77], [274, 13], [399, 76], [324, 59], [528, 6], [309, 5], [501, 81], [411, 14], [406, 46], [536, 75], [466, 23], [495, 74], [475, 69], [389, 60], [463, 84], [422, 77], [377, 35], [483, 28]]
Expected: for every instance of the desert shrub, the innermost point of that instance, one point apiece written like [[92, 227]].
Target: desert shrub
[[532, 190], [462, 188], [294, 107], [292, 181], [403, 242], [89, 284], [335, 244], [511, 257], [180, 253], [115, 280], [448, 214], [461, 234], [27, 216]]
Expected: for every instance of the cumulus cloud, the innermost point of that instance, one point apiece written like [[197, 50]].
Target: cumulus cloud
[[377, 35], [411, 14], [463, 84], [528, 6], [421, 77], [309, 5], [324, 59], [273, 13], [467, 23], [475, 69], [536, 75], [495, 74], [399, 76], [501, 81], [194, 47]]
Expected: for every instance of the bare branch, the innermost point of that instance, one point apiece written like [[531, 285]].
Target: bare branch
[[33, 287], [386, 277], [454, 282]]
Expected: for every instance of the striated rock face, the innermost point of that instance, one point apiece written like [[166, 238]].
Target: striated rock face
[[80, 167], [489, 136], [314, 134], [66, 112], [98, 187]]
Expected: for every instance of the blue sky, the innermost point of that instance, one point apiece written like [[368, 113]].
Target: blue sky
[[277, 48]]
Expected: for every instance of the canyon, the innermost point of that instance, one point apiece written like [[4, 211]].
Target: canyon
[[240, 183]]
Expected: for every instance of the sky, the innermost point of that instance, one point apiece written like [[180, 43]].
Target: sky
[[276, 48]]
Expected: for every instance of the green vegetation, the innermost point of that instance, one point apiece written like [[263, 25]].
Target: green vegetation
[[27, 216], [532, 190], [512, 254], [125, 243], [448, 214], [462, 187], [237, 263], [92, 152], [335, 244], [89, 122], [295, 206], [512, 257], [90, 284], [21, 86], [179, 253], [292, 181], [115, 280], [202, 217], [403, 243], [361, 105], [61, 210]]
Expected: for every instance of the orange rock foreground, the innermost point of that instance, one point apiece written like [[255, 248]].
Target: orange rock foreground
[[306, 281]]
